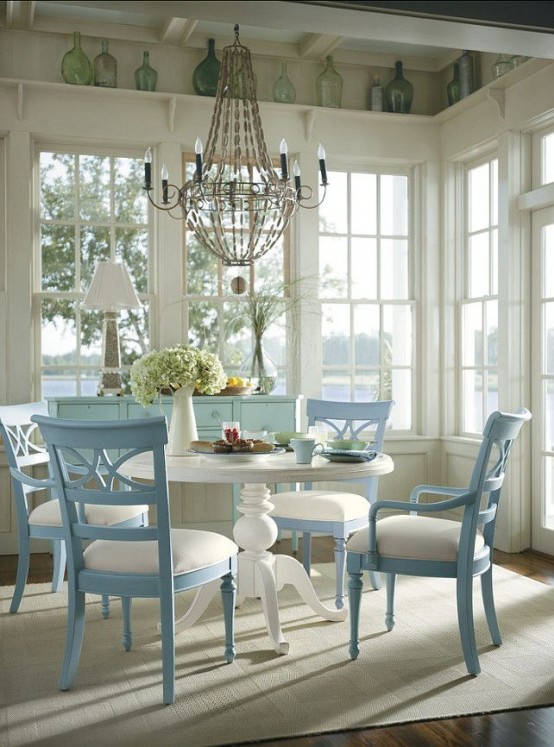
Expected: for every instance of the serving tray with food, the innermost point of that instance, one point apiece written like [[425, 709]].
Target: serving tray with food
[[246, 448]]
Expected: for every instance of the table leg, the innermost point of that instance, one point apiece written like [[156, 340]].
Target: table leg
[[262, 574]]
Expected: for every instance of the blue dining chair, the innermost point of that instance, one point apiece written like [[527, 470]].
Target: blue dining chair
[[43, 521], [424, 545], [335, 512], [149, 562]]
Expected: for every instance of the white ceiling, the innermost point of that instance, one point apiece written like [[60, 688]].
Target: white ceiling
[[353, 31]]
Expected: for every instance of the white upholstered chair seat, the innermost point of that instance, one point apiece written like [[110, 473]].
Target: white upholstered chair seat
[[416, 537], [48, 513], [319, 505], [192, 550]]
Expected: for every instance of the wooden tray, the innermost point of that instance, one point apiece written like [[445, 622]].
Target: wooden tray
[[235, 391]]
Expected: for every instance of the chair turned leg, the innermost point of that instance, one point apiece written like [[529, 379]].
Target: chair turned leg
[[490, 611], [167, 619], [340, 566], [127, 633], [307, 551], [228, 595], [74, 638], [105, 606], [375, 580], [389, 614], [464, 598], [22, 573], [59, 555], [355, 585]]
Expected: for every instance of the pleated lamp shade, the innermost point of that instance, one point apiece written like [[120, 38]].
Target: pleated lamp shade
[[111, 289]]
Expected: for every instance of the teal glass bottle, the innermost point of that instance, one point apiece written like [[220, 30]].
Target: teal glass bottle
[[145, 76], [328, 86], [399, 92], [105, 68], [206, 74], [283, 90], [76, 66], [453, 88]]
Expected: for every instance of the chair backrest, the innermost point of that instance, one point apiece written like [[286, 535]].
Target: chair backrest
[[102, 449], [499, 434], [23, 451], [18, 434], [366, 421]]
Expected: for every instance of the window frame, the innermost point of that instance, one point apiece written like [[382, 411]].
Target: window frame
[[39, 295]]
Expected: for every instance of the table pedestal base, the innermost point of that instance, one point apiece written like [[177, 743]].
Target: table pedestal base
[[260, 573]]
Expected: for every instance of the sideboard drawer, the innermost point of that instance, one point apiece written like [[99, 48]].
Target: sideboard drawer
[[99, 410], [211, 411]]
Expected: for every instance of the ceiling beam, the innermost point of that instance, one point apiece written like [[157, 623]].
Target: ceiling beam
[[177, 31], [20, 15], [316, 46]]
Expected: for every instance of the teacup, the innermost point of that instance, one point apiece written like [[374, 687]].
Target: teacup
[[305, 449], [347, 444]]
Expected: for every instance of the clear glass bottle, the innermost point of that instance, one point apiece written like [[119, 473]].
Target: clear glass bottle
[[328, 86], [145, 76], [453, 88], [502, 65], [399, 92], [519, 59], [283, 90], [206, 74], [76, 66], [377, 96], [465, 65], [105, 68]]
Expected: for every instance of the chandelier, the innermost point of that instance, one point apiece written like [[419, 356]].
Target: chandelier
[[236, 203]]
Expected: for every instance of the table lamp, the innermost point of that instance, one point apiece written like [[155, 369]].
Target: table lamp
[[111, 291]]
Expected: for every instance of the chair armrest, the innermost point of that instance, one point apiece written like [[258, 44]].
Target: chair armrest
[[462, 499], [434, 490], [43, 484]]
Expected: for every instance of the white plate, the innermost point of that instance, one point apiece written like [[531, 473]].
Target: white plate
[[239, 456]]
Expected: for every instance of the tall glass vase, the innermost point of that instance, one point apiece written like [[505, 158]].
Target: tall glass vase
[[206, 75], [399, 92], [182, 426], [145, 76], [105, 68], [259, 367], [283, 90], [76, 66], [328, 86]]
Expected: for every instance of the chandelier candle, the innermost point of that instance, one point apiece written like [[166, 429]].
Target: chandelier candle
[[284, 152], [198, 149], [296, 174], [165, 183], [148, 169], [322, 166]]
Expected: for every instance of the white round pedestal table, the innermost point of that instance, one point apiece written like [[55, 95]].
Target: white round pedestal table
[[261, 574]]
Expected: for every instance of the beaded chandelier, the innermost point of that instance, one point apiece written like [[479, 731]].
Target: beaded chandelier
[[236, 203]]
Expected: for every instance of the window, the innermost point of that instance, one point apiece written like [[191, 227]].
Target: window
[[217, 305], [479, 304], [365, 290], [547, 158], [91, 208]]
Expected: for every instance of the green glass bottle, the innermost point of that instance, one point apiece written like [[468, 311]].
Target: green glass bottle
[[453, 88], [145, 76], [399, 92], [105, 68], [76, 66], [283, 90], [328, 86], [502, 65], [206, 74]]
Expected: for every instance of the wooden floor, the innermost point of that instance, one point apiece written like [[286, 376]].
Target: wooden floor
[[525, 728]]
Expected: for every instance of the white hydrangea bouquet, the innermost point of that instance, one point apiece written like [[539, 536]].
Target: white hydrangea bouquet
[[170, 369]]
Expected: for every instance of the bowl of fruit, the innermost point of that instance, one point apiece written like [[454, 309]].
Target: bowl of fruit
[[235, 386]]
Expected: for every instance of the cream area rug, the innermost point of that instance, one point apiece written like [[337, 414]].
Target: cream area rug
[[416, 672]]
